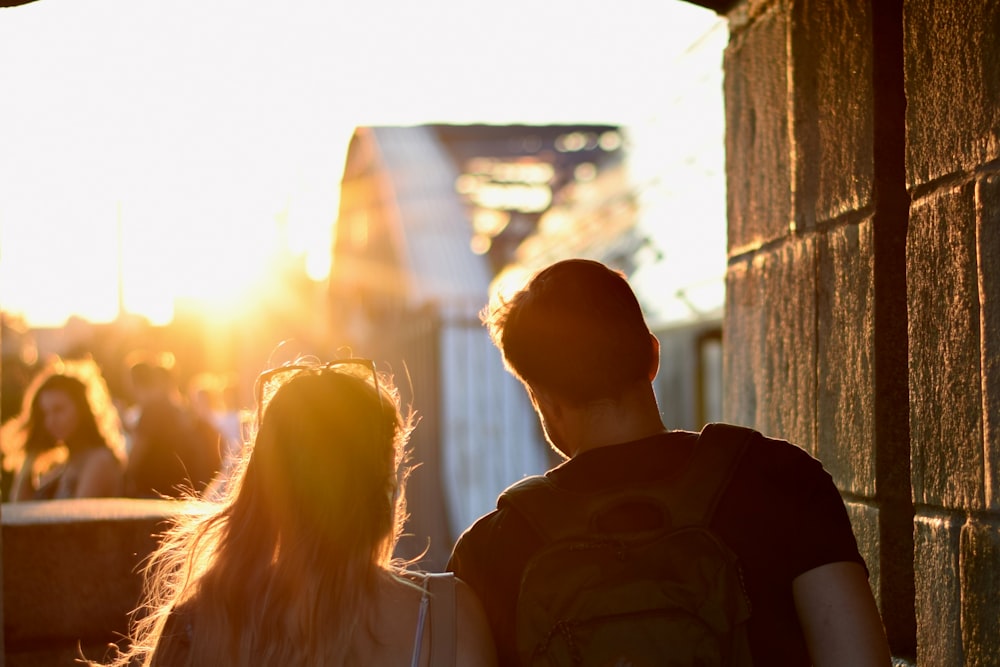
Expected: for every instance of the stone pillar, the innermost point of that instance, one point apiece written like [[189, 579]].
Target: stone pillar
[[952, 69], [816, 317]]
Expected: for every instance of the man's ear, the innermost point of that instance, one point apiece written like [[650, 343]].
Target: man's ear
[[654, 362]]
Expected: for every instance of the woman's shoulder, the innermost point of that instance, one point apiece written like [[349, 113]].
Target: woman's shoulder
[[451, 601], [100, 473], [100, 459], [101, 454]]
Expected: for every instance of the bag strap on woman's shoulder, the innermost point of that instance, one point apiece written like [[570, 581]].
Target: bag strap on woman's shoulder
[[443, 635]]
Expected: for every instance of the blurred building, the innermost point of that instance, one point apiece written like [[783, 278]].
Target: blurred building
[[659, 216], [434, 217], [428, 216]]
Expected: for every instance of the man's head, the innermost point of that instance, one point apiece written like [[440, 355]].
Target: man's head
[[150, 378], [575, 331]]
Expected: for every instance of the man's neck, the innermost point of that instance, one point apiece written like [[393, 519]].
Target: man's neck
[[606, 433], [610, 422]]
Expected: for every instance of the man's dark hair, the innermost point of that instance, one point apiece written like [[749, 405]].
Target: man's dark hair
[[148, 371], [576, 329]]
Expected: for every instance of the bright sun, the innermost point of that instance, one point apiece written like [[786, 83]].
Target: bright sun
[[97, 256], [136, 182], [153, 152]]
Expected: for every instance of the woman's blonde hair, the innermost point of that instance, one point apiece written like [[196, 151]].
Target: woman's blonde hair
[[284, 569]]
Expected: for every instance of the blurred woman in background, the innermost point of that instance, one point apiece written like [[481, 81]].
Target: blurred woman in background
[[295, 565], [68, 441]]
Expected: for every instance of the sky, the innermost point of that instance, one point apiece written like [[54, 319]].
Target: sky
[[153, 150]]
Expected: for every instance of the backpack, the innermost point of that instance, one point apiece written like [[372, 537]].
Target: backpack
[[665, 591]]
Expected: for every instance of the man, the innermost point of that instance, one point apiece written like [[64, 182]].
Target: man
[[173, 450], [576, 338]]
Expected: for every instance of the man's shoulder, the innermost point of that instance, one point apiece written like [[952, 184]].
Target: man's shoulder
[[523, 485], [778, 456], [504, 525], [490, 524], [779, 475], [493, 541], [157, 413], [485, 523]]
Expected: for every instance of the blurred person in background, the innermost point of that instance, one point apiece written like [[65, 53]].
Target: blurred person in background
[[172, 449], [68, 441], [294, 566], [213, 398]]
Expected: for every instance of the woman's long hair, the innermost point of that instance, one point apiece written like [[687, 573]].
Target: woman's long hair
[[98, 421], [285, 569]]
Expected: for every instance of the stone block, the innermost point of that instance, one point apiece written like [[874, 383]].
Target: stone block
[[770, 346], [988, 245], [845, 351], [742, 339], [70, 571], [789, 350], [952, 75], [758, 175], [980, 567], [944, 351], [865, 522], [832, 110], [938, 590]]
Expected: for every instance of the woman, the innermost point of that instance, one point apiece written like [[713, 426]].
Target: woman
[[68, 441], [294, 566]]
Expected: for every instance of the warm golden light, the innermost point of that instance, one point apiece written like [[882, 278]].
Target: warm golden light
[[505, 285], [489, 222], [480, 244], [140, 176], [136, 173]]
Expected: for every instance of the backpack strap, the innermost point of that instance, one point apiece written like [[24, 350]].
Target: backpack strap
[[444, 638], [687, 498], [717, 453]]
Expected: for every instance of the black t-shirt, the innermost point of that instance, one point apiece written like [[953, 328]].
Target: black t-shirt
[[781, 514]]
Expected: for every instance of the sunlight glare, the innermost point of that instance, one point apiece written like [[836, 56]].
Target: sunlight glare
[[226, 153], [206, 253], [192, 149]]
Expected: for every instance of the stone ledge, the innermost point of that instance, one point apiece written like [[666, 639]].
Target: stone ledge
[[71, 570]]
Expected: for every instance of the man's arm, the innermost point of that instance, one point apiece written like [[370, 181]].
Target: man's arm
[[475, 641], [490, 562], [839, 617]]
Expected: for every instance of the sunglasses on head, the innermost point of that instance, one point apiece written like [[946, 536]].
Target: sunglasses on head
[[265, 377]]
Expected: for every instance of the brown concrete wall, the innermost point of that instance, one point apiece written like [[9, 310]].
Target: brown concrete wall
[[863, 308], [70, 574], [952, 78], [815, 316]]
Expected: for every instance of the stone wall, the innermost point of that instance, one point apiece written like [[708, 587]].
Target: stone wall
[[952, 78], [71, 574], [862, 323]]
